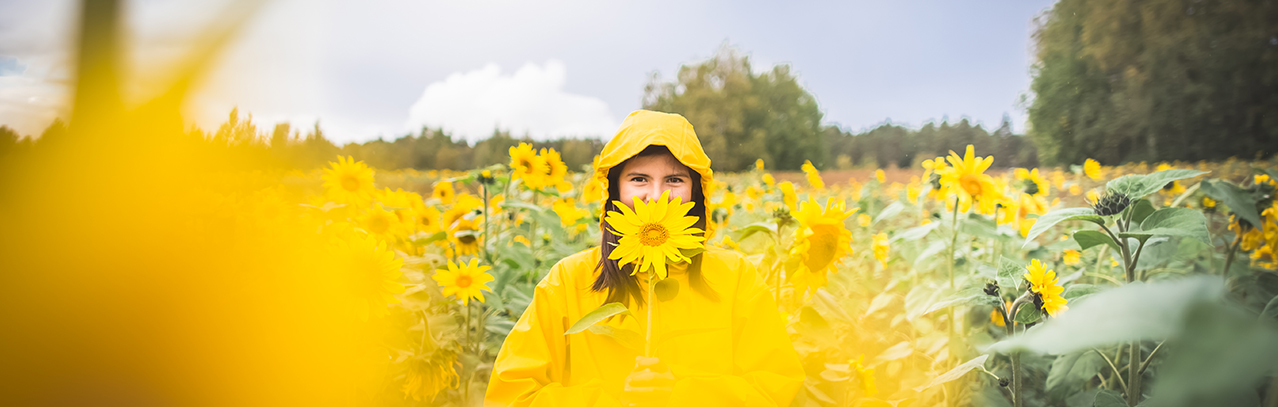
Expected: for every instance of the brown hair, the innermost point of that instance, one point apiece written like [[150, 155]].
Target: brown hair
[[616, 279]]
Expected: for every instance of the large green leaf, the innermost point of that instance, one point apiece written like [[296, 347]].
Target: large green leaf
[[1181, 222], [1240, 201], [1088, 238], [1139, 210], [626, 337], [757, 227], [954, 373], [1136, 311], [891, 210], [900, 350], [1137, 186], [599, 314], [1109, 398], [1070, 371], [972, 296], [1028, 314], [1010, 275], [1221, 357], [979, 226], [915, 233], [1050, 219]]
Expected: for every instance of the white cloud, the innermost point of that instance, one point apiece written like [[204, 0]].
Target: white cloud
[[532, 100]]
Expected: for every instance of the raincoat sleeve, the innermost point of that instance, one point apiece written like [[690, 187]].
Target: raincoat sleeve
[[766, 368], [530, 368]]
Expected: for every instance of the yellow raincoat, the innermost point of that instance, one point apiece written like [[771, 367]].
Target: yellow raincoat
[[733, 352]]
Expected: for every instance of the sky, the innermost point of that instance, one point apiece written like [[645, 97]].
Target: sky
[[383, 69]]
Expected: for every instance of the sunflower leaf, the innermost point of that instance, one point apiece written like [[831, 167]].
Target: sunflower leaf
[[1182, 222], [1070, 371], [1137, 186], [690, 253], [1028, 314], [440, 235], [599, 314], [666, 289], [972, 296], [954, 373], [757, 227], [1009, 275], [626, 337], [1090, 238], [1238, 200], [1050, 219]]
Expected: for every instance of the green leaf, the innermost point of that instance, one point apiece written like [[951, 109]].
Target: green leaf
[[1238, 200], [1070, 371], [437, 236], [971, 296], [1181, 222], [1089, 238], [880, 301], [1139, 210], [626, 337], [979, 226], [1050, 219], [1028, 314], [599, 314], [757, 227], [954, 373], [522, 205], [666, 289], [693, 252], [1076, 291], [891, 210], [1137, 311], [915, 233], [1219, 359], [1137, 186], [1109, 398], [1271, 310], [1010, 275], [895, 352]]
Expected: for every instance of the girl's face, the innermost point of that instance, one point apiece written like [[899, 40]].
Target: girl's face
[[646, 178]]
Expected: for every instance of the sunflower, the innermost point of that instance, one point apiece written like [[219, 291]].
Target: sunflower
[[348, 181], [880, 176], [528, 166], [429, 375], [555, 170], [371, 275], [568, 211], [1092, 169], [427, 219], [381, 223], [1071, 257], [466, 281], [1032, 183], [864, 375], [881, 248], [444, 192], [1047, 291], [966, 175], [654, 233], [821, 240], [466, 236], [814, 176]]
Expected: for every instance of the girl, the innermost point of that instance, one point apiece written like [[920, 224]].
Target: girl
[[721, 342]]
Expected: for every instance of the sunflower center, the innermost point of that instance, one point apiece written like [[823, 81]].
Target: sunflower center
[[821, 250], [653, 234], [350, 183], [466, 239], [378, 224], [971, 183], [463, 281]]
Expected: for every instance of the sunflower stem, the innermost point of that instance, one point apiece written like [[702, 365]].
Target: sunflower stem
[[652, 303], [1229, 258]]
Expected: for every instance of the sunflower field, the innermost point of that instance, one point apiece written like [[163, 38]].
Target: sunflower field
[[961, 286]]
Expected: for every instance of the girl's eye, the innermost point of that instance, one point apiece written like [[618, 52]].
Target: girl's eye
[[636, 179], [674, 180]]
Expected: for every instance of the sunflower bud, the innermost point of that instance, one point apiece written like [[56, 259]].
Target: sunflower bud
[[1111, 204], [1002, 382], [782, 216], [991, 289], [485, 177]]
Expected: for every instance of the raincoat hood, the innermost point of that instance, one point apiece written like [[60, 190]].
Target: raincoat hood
[[644, 128]]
